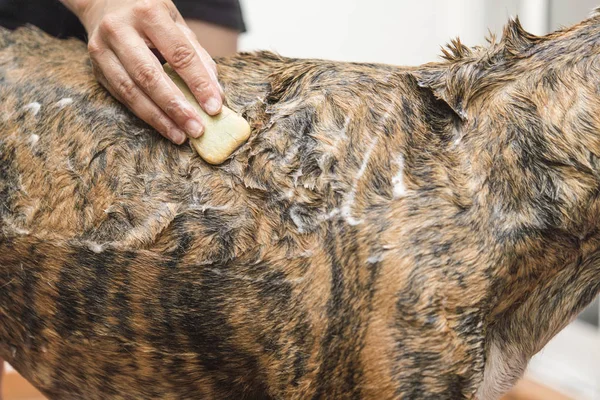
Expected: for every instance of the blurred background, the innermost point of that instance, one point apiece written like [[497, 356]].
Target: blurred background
[[403, 32], [406, 32]]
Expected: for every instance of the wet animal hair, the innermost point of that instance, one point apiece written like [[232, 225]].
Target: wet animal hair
[[387, 232], [461, 79]]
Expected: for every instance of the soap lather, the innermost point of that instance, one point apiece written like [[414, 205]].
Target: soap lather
[[223, 133]]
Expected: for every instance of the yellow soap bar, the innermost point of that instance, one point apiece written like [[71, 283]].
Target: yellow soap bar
[[223, 134]]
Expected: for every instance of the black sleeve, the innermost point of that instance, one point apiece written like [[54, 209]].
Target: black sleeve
[[227, 13], [54, 18], [48, 15]]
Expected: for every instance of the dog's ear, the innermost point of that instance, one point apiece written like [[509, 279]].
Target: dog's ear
[[451, 83], [469, 73]]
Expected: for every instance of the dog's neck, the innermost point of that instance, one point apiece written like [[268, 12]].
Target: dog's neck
[[536, 188]]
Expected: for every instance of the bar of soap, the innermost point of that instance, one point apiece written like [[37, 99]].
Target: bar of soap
[[223, 133]]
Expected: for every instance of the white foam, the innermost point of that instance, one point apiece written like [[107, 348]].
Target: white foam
[[398, 179], [62, 103], [33, 108], [346, 210], [33, 139]]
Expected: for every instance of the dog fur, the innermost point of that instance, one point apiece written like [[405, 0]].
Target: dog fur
[[386, 233]]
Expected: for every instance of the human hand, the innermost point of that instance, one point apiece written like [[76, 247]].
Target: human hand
[[122, 34]]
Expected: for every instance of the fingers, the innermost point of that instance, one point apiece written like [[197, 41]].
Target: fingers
[[147, 74], [204, 56], [181, 50], [122, 36], [115, 78]]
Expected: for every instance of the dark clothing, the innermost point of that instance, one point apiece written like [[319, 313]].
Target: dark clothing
[[57, 20], [225, 13]]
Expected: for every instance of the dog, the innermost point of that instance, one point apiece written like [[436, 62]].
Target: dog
[[386, 233]]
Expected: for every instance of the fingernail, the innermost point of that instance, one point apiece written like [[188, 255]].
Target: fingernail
[[177, 137], [212, 106], [193, 128]]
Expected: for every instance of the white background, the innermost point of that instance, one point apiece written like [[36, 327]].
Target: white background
[[401, 32]]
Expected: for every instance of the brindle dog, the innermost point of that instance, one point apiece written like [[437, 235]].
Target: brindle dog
[[386, 232]]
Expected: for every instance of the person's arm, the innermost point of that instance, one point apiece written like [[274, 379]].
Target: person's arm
[[217, 40], [121, 36]]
